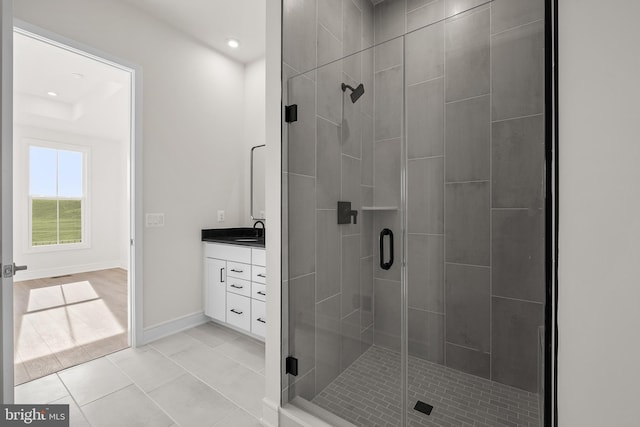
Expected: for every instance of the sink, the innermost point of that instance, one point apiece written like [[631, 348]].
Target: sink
[[241, 235]]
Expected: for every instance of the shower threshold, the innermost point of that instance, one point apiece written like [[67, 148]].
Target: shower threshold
[[368, 394]]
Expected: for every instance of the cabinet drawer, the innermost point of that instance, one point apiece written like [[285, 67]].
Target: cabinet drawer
[[258, 274], [238, 286], [258, 318], [258, 257], [239, 311], [227, 252], [259, 291], [239, 271]]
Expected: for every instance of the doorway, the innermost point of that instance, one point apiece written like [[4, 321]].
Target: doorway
[[72, 205]]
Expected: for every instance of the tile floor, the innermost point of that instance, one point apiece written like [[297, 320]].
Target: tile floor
[[205, 376], [61, 322], [368, 394]]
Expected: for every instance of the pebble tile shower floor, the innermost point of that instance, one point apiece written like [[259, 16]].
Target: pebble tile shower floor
[[368, 394]]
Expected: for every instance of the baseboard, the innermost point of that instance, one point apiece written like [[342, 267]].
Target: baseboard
[[173, 326], [270, 413], [61, 271]]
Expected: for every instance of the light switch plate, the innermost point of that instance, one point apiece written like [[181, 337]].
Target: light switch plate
[[154, 220]]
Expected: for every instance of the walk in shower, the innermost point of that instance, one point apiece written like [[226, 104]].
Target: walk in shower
[[414, 211]]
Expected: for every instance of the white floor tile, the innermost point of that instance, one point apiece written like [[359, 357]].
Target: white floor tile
[[239, 418], [245, 351], [148, 368], [40, 391], [76, 417], [128, 407], [191, 402], [243, 387], [174, 343], [93, 380], [212, 335], [204, 362]]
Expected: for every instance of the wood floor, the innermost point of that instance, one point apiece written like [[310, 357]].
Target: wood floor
[[64, 321]]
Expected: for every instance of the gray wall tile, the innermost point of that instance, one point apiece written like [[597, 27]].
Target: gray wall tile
[[351, 345], [366, 226], [387, 314], [518, 254], [414, 4], [389, 100], [426, 15], [387, 172], [302, 243], [366, 338], [330, 16], [351, 123], [329, 47], [467, 56], [424, 54], [468, 303], [518, 72], [514, 357], [425, 200], [366, 100], [467, 222], [469, 361], [367, 150], [351, 192], [367, 23], [329, 163], [301, 134], [388, 54], [507, 14], [389, 20], [468, 140], [303, 386], [352, 41], [426, 335], [327, 254], [454, 7], [299, 34], [425, 119], [328, 341], [302, 322], [366, 292], [425, 272], [518, 163], [329, 93], [350, 274]]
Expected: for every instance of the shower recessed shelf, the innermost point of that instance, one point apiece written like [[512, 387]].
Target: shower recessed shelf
[[379, 208]]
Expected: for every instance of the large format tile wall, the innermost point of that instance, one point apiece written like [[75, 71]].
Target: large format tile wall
[[475, 146], [330, 158]]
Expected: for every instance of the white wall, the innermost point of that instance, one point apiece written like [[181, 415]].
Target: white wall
[[108, 200], [599, 256], [254, 116], [192, 117]]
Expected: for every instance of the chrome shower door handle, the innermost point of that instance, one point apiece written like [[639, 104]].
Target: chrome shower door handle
[[386, 265]]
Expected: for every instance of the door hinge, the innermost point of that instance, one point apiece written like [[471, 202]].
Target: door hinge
[[291, 113], [292, 366], [131, 242]]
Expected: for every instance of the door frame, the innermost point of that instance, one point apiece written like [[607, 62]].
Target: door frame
[[136, 226]]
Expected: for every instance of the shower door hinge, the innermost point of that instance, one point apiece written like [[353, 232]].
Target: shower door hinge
[[292, 366], [291, 113]]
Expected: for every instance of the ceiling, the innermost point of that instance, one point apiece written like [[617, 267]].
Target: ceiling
[[213, 21], [92, 99]]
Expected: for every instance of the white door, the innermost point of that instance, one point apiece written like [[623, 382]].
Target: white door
[[6, 198]]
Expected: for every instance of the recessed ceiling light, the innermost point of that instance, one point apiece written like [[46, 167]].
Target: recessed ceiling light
[[78, 75], [52, 94], [233, 43]]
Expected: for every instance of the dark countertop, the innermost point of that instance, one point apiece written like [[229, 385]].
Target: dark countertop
[[245, 236]]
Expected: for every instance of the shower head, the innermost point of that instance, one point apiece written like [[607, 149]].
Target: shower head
[[355, 93]]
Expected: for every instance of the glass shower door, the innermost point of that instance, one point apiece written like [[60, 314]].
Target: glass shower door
[[345, 235]]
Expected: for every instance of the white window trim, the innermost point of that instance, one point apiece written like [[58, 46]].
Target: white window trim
[[86, 199]]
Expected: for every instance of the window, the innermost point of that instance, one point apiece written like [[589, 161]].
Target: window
[[56, 196]]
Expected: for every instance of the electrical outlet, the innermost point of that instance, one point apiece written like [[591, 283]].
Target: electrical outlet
[[154, 220], [220, 216]]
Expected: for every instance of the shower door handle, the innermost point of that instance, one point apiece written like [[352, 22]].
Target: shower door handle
[[386, 265]]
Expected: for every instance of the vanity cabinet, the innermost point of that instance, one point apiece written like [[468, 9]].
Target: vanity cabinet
[[235, 289]]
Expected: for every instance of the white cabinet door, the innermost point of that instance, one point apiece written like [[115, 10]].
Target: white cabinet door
[[216, 288], [258, 318]]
